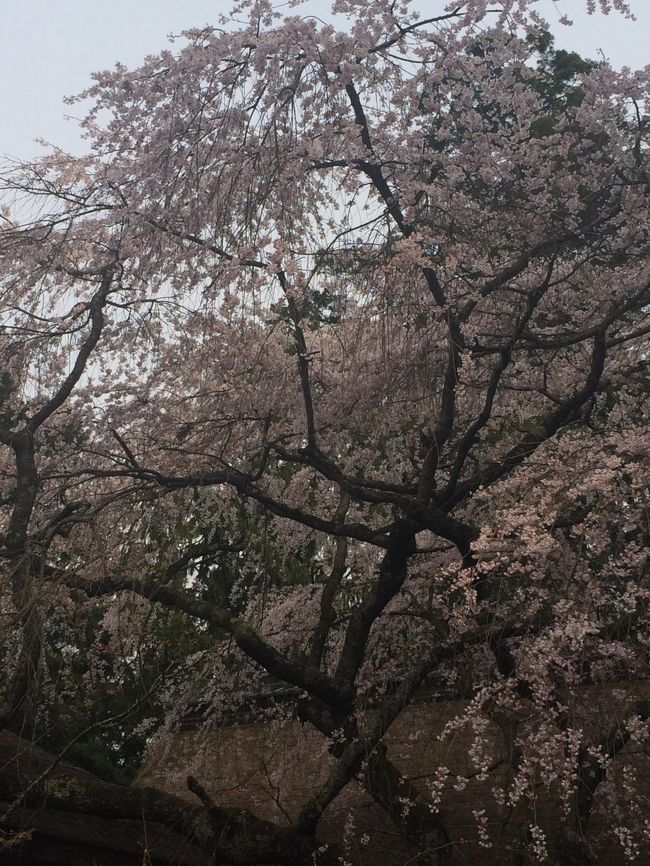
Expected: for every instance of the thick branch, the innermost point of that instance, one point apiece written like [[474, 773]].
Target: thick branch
[[306, 676], [371, 169], [95, 307], [445, 423], [243, 484], [303, 362], [331, 587], [392, 574]]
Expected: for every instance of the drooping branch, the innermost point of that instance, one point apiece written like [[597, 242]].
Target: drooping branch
[[592, 773]]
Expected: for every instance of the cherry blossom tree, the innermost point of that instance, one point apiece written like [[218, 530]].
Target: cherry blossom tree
[[328, 363]]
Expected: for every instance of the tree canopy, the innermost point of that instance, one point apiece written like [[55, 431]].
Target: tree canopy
[[328, 364]]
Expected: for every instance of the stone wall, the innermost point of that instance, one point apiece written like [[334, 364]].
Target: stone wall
[[272, 768]]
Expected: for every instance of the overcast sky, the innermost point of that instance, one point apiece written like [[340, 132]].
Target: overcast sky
[[49, 48]]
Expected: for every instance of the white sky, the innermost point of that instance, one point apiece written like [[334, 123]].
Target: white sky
[[49, 48]]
